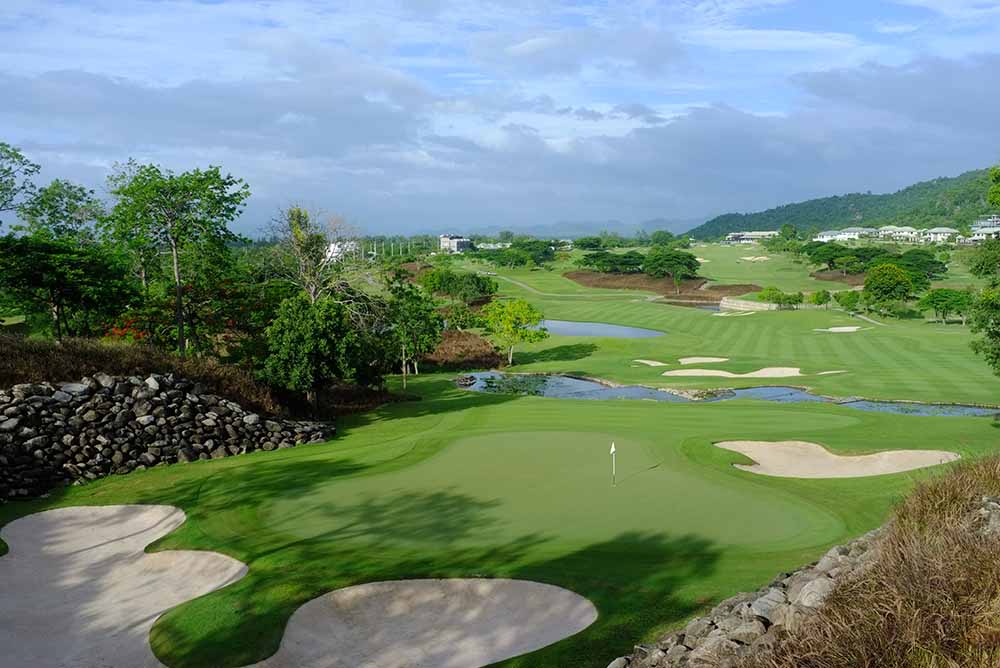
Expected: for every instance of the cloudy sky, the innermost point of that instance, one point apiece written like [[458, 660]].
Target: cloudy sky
[[433, 115]]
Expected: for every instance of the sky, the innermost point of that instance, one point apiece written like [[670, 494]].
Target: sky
[[455, 115]]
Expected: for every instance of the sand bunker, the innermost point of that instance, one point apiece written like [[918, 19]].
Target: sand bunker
[[651, 362], [766, 372], [801, 459], [756, 258], [831, 373], [429, 624], [702, 260], [702, 360], [840, 330], [733, 314], [78, 590]]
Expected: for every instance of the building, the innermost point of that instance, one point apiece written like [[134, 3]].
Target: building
[[493, 246], [338, 250], [939, 234], [750, 237], [454, 243], [903, 233], [984, 233], [990, 221]]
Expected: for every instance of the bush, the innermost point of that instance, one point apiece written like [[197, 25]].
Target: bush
[[41, 360], [461, 351]]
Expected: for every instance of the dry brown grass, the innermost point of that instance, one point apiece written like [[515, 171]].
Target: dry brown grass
[[39, 360], [698, 288], [463, 351], [930, 600]]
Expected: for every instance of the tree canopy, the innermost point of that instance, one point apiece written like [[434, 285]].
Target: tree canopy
[[513, 321], [16, 174]]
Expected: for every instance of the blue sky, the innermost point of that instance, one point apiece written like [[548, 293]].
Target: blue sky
[[454, 114]]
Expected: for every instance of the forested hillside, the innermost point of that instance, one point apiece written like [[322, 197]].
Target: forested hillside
[[950, 202]]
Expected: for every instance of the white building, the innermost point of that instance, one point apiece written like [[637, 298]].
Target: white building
[[991, 221], [750, 237], [338, 250], [939, 234], [454, 243], [493, 246], [903, 233], [846, 234], [984, 233]]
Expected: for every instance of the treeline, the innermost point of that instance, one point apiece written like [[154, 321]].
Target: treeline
[[944, 202], [660, 262], [922, 265], [158, 264], [523, 252]]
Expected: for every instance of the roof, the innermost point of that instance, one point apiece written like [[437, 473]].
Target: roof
[[942, 230]]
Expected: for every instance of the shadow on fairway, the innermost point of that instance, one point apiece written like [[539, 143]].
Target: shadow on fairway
[[567, 353]]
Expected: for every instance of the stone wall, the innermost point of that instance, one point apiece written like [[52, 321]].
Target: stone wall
[[103, 425]]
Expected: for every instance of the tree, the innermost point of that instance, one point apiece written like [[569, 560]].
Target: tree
[[588, 243], [886, 284], [512, 322], [156, 207], [16, 173], [944, 301], [994, 194], [661, 238], [985, 321], [820, 298], [416, 326], [662, 261], [826, 253], [78, 288], [61, 210], [848, 299], [985, 261], [789, 232], [306, 251], [848, 264], [308, 346]]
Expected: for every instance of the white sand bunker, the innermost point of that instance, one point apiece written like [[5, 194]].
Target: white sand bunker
[[702, 360], [429, 624], [755, 258], [801, 459], [733, 314], [840, 330], [651, 362], [702, 260], [78, 590], [766, 372]]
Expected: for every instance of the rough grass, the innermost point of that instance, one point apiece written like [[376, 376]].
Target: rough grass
[[930, 600], [39, 360]]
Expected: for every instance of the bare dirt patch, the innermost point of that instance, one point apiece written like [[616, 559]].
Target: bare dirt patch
[[802, 459], [699, 290]]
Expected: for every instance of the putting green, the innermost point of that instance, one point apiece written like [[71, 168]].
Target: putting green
[[553, 484]]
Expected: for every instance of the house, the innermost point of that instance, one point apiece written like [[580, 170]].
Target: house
[[989, 221], [493, 246], [939, 234], [750, 237], [846, 234], [984, 233], [903, 233], [454, 243]]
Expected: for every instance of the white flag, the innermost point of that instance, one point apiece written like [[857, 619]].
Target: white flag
[[612, 447]]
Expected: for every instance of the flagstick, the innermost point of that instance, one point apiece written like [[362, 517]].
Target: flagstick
[[614, 472]]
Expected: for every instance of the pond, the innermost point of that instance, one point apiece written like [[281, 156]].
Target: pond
[[565, 387], [601, 329]]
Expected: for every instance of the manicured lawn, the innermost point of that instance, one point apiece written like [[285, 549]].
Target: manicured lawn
[[726, 265], [464, 484]]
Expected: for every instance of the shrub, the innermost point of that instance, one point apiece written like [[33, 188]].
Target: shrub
[[461, 351]]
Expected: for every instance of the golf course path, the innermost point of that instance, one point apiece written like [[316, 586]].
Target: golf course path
[[429, 624], [801, 459], [77, 588]]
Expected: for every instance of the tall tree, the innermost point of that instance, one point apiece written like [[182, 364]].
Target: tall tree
[[61, 210], [158, 208], [416, 327], [994, 194], [16, 173], [513, 321]]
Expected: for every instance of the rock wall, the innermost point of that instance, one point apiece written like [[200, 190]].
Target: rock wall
[[103, 425]]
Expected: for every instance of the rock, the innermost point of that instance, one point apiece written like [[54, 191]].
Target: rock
[[676, 653], [153, 384], [89, 416], [62, 397], [9, 425], [272, 426], [620, 662], [712, 652], [147, 459], [766, 604], [75, 389], [747, 632], [146, 420], [814, 593], [697, 629]]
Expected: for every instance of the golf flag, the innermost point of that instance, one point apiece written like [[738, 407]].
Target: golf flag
[[613, 472]]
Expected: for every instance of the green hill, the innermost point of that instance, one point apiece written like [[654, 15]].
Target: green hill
[[948, 202]]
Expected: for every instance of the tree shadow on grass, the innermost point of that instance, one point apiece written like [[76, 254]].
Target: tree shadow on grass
[[566, 353]]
